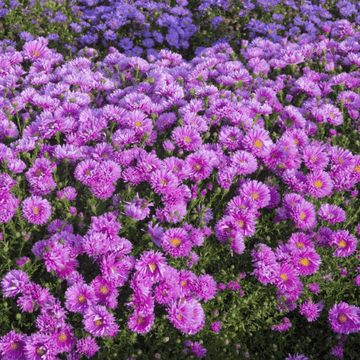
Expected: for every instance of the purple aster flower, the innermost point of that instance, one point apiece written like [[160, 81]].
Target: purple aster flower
[[346, 243], [141, 324], [186, 137], [244, 162], [314, 288], [198, 350], [40, 347], [151, 266], [36, 210], [164, 181], [344, 318], [319, 184], [297, 357], [332, 213], [256, 192], [311, 310], [87, 346], [12, 346], [216, 326], [205, 287], [304, 215], [99, 322], [233, 285], [14, 282], [176, 242], [79, 297], [306, 261]]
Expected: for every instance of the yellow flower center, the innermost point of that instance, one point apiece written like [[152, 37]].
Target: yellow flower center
[[36, 210], [284, 277], [232, 138], [296, 142], [113, 268], [40, 352], [139, 319], [341, 160], [342, 318], [88, 173], [183, 283], [176, 168], [179, 317], [14, 346], [313, 159], [98, 322], [258, 143], [81, 299], [163, 182], [286, 148], [163, 293], [36, 53], [254, 195], [187, 139], [302, 216], [103, 290], [300, 245], [175, 242], [305, 262], [318, 183], [38, 173], [62, 337], [332, 115], [241, 223], [138, 123], [152, 266], [348, 100], [197, 167], [342, 243], [357, 168]]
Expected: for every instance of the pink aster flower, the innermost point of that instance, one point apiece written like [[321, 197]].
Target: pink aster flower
[[244, 162], [332, 213], [14, 283], [319, 184], [216, 326], [230, 137], [40, 347], [205, 287], [198, 350], [306, 261], [12, 346], [99, 322], [37, 49], [164, 181], [151, 266], [311, 310], [186, 137], [176, 242], [256, 192], [36, 210], [344, 318], [297, 357], [79, 297], [199, 165], [346, 243], [105, 292], [141, 324], [87, 346], [304, 215], [257, 141], [315, 157]]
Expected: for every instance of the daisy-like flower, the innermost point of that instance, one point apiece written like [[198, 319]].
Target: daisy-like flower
[[244, 162], [341, 160], [292, 116], [87, 346], [300, 240], [319, 184], [246, 222], [315, 157], [306, 261], [205, 287], [230, 137], [346, 243], [14, 283], [37, 49], [187, 138], [36, 210], [79, 297], [297, 357], [257, 141], [216, 326], [139, 122], [40, 347], [176, 242], [164, 181], [86, 171], [256, 192], [64, 338], [332, 213], [344, 318], [304, 215], [199, 165], [99, 322], [140, 323], [331, 114], [198, 350], [151, 266], [311, 310], [105, 292], [12, 346], [286, 278]]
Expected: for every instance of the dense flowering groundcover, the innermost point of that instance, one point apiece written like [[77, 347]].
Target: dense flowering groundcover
[[158, 207]]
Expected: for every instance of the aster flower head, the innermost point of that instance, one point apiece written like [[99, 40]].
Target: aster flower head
[[244, 162], [257, 141], [198, 350], [36, 210], [332, 213], [311, 310], [99, 322], [186, 137], [256, 192], [164, 181], [176, 242], [297, 357], [140, 323], [151, 266], [14, 283], [304, 215], [87, 346], [306, 261], [344, 318], [216, 326], [319, 184], [79, 297], [199, 165], [12, 346], [205, 287], [40, 347], [346, 243]]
